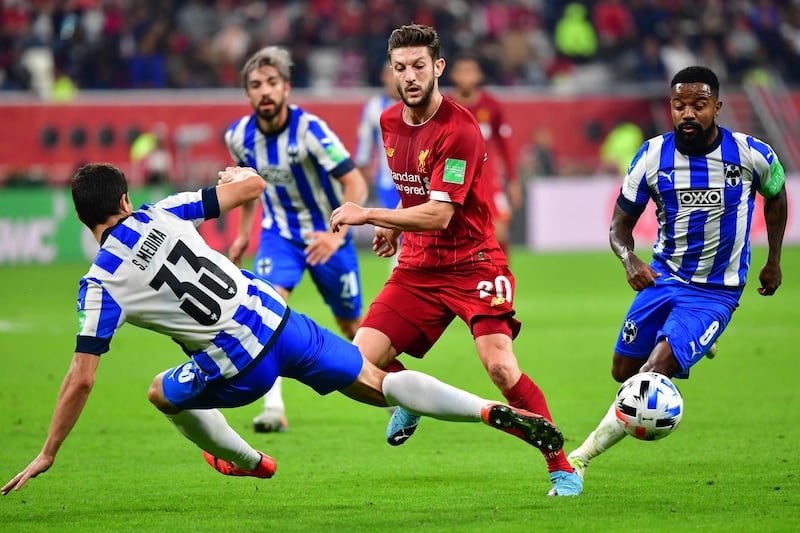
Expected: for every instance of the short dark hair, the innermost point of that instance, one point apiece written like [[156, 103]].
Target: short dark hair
[[697, 74], [415, 35], [96, 190]]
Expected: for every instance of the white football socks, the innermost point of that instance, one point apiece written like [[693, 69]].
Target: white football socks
[[209, 430], [607, 433], [425, 395], [273, 399]]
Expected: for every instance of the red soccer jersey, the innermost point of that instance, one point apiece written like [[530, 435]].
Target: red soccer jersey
[[488, 111], [442, 160]]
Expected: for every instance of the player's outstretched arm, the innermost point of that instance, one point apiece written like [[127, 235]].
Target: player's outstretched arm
[[237, 186], [775, 216], [72, 398], [430, 216], [240, 186]]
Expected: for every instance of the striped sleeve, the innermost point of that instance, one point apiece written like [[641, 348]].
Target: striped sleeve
[[635, 191], [327, 148], [234, 142], [196, 207], [99, 317]]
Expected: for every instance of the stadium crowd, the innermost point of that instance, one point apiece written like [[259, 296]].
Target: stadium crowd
[[120, 44]]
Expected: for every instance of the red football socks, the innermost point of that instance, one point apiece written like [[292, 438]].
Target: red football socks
[[527, 395]]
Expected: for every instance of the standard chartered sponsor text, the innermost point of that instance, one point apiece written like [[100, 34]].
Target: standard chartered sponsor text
[[407, 183]]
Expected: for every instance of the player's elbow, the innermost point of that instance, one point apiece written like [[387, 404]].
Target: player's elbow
[[440, 214], [441, 222]]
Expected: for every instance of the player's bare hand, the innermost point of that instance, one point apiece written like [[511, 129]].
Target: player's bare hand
[[385, 242], [37, 466], [237, 250], [770, 278], [640, 275], [323, 245], [348, 214], [234, 174]]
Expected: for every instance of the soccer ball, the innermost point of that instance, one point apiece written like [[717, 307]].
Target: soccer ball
[[648, 406]]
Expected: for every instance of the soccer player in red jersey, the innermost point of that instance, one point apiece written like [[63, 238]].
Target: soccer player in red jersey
[[450, 263], [505, 188]]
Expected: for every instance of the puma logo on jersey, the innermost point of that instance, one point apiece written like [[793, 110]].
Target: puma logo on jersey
[[669, 176]]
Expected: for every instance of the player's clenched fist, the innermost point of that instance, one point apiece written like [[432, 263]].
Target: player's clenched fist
[[234, 174]]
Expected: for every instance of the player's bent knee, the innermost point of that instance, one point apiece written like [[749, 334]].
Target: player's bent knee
[[620, 375], [504, 374], [155, 394], [624, 367]]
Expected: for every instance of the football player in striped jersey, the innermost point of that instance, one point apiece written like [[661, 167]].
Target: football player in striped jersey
[[155, 271], [703, 179], [308, 173]]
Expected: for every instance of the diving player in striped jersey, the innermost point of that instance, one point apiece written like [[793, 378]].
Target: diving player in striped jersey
[[704, 179], [155, 271], [308, 173]]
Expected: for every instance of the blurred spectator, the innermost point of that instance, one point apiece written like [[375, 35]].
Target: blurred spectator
[[620, 147], [676, 54], [114, 44], [536, 159], [649, 65], [151, 157], [614, 25], [575, 36]]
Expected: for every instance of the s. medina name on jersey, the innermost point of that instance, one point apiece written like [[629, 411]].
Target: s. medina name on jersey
[[704, 202], [147, 250], [155, 271], [300, 165]]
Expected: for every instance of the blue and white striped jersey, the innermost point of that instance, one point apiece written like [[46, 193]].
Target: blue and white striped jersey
[[704, 203], [370, 140], [155, 271], [299, 164]]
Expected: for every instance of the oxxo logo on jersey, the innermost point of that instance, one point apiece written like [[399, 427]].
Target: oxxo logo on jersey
[[701, 198]]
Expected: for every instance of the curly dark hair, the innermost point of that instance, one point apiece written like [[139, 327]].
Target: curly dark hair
[[697, 74]]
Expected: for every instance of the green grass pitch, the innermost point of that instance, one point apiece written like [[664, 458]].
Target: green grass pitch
[[731, 466]]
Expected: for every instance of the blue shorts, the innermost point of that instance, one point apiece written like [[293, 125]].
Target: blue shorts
[[303, 351], [690, 317], [282, 263]]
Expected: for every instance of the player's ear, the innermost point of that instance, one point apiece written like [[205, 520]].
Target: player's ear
[[125, 205], [438, 67]]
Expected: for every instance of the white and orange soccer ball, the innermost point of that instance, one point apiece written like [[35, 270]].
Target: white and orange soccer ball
[[648, 406]]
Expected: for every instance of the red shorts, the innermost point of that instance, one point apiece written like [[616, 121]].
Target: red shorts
[[415, 307]]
